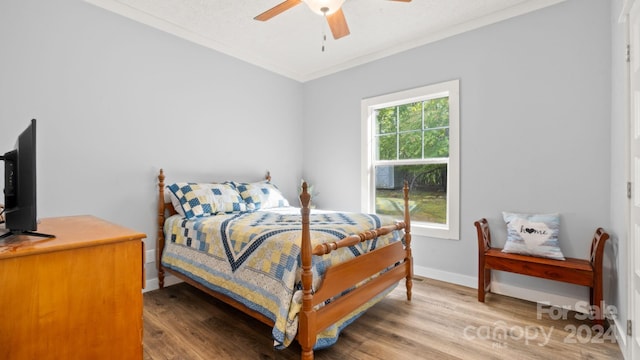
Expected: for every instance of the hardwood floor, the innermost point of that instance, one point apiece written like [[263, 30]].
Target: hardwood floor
[[443, 321]]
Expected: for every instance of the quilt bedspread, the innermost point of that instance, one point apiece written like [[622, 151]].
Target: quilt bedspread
[[254, 258]]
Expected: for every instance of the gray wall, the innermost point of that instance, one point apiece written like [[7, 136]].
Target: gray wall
[[116, 101], [535, 94]]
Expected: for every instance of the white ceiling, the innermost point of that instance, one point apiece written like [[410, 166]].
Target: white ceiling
[[290, 44]]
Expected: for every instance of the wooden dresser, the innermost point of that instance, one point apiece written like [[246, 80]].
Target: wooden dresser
[[76, 296]]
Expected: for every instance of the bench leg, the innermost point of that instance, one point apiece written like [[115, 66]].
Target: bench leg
[[484, 282], [595, 297], [481, 285]]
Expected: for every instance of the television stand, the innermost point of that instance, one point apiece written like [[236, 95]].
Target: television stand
[[26, 233]]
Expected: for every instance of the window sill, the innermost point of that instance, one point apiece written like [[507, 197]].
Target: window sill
[[434, 231]]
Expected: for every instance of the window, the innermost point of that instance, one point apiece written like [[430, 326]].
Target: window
[[413, 135]]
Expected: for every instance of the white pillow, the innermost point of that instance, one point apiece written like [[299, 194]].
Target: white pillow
[[533, 234]]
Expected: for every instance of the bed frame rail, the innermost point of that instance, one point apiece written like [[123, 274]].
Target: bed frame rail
[[345, 276], [327, 248]]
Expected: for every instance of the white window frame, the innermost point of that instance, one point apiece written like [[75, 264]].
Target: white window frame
[[450, 230]]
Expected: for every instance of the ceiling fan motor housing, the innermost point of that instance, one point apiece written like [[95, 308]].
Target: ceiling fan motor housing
[[324, 7]]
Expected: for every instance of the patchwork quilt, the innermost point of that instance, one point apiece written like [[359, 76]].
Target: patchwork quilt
[[254, 258]]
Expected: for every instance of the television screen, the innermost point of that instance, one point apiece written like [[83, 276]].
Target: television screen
[[20, 185]]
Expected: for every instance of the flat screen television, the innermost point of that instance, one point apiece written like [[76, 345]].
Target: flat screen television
[[20, 186]]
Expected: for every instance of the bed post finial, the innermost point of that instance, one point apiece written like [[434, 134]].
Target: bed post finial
[[305, 197], [268, 176]]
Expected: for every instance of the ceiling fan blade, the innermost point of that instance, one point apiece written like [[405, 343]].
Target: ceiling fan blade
[[278, 9], [338, 24]]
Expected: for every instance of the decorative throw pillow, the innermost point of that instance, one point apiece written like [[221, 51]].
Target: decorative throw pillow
[[227, 199], [261, 195], [533, 234], [192, 200]]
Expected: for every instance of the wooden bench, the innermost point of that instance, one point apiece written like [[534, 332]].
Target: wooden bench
[[574, 271]]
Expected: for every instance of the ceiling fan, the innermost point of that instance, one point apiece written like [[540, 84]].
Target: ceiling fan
[[331, 9]]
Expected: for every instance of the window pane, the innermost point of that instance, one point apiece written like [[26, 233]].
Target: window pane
[[436, 143], [436, 113], [427, 191], [386, 121], [410, 116], [387, 147], [411, 145]]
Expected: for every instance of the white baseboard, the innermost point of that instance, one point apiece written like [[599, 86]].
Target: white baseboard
[[498, 288], [431, 273], [621, 336], [152, 284]]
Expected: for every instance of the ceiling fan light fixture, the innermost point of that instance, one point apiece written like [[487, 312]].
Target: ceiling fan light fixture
[[324, 7]]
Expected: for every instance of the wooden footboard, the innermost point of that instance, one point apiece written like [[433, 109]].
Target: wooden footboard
[[395, 261]]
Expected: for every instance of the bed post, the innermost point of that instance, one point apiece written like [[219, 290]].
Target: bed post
[[407, 241], [307, 317], [160, 238]]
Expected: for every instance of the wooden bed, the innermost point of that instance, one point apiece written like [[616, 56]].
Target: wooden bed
[[392, 262]]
